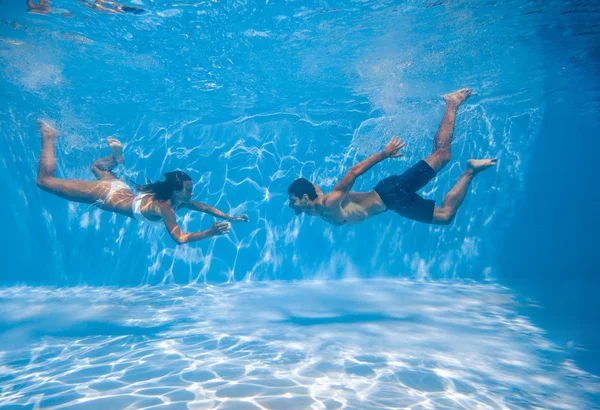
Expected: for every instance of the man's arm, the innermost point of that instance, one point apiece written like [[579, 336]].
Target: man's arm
[[200, 207], [168, 216], [347, 182]]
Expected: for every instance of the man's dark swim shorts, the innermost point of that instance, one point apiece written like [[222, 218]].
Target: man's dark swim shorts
[[398, 193]]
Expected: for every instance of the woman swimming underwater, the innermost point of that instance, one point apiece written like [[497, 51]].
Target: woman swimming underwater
[[156, 202]]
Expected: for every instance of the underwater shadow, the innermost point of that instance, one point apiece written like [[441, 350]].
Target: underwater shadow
[[346, 319]]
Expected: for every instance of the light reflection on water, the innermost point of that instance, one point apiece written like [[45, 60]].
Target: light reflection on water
[[282, 345], [246, 96]]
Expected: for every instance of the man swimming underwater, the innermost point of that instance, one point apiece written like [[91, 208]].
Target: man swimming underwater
[[395, 193], [156, 203]]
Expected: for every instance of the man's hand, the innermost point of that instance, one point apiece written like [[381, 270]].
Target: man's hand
[[240, 218], [220, 228], [392, 148]]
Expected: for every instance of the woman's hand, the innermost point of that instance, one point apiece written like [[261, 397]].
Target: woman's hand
[[240, 218], [220, 228]]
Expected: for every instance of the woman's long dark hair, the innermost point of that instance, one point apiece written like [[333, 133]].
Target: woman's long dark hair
[[163, 190]]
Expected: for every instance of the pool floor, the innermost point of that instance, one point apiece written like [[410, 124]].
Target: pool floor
[[363, 344]]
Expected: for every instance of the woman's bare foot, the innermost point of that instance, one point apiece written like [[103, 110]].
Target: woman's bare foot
[[48, 132], [457, 97], [117, 149], [478, 165]]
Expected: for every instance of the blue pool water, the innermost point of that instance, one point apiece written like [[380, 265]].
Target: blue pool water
[[497, 310]]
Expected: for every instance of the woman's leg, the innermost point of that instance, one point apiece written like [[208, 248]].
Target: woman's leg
[[102, 167], [78, 191]]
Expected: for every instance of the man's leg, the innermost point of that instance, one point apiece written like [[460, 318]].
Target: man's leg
[[445, 215], [443, 139], [102, 168], [79, 191]]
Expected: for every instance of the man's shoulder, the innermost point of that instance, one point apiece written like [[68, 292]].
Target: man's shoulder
[[328, 198]]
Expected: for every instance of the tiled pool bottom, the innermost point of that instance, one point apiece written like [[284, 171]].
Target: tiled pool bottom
[[364, 344]]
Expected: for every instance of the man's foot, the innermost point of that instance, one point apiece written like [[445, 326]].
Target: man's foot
[[48, 132], [478, 165], [117, 149], [457, 97]]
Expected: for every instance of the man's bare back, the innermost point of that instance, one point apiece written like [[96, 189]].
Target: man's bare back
[[397, 192]]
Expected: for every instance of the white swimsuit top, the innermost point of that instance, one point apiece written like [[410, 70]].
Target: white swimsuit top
[[136, 208]]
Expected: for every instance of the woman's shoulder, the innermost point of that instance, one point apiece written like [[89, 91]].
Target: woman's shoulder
[[161, 205]]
